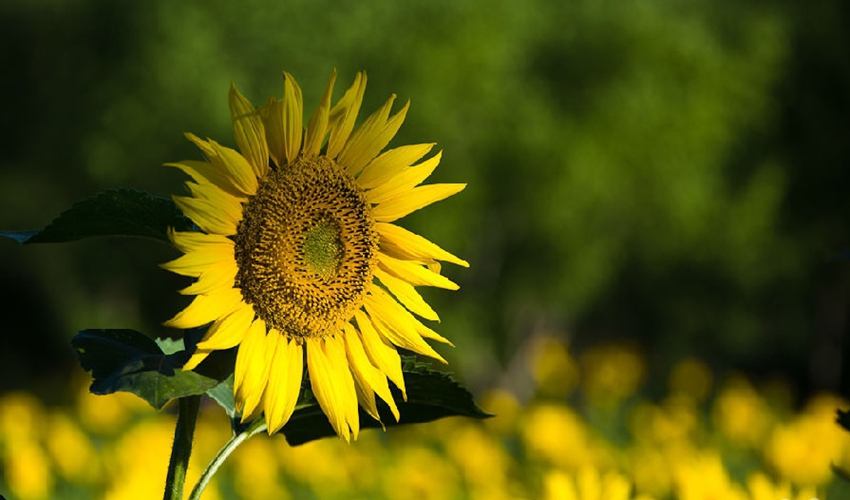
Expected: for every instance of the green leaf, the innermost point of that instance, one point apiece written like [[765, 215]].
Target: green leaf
[[114, 212], [430, 395], [130, 361]]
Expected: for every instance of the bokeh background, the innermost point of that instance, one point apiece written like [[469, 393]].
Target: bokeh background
[[657, 178]]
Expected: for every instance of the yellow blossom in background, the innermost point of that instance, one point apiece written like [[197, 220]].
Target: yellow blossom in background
[[803, 450], [674, 422], [482, 460], [505, 410], [69, 447], [21, 419], [675, 448], [554, 369], [557, 435], [308, 463], [26, 466], [107, 414], [761, 487], [585, 484], [27, 472], [610, 373], [418, 473], [741, 414], [692, 378], [703, 477], [138, 462], [255, 472]]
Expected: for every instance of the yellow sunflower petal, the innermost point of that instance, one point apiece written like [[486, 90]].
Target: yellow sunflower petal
[[414, 273], [229, 204], [207, 215], [213, 278], [293, 114], [390, 163], [250, 375], [272, 115], [202, 172], [249, 132], [284, 382], [195, 261], [197, 357], [206, 309], [413, 200], [317, 129], [187, 241], [343, 115], [229, 330], [228, 163], [365, 393], [404, 181], [398, 242], [395, 324], [407, 295], [333, 385], [381, 353], [371, 137], [371, 379]]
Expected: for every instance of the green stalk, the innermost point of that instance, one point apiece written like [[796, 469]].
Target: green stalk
[[187, 416], [256, 427]]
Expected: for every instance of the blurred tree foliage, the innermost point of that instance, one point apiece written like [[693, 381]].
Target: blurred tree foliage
[[669, 173]]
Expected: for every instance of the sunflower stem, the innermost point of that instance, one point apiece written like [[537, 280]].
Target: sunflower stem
[[256, 427], [187, 416]]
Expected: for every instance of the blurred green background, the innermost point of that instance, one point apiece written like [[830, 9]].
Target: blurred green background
[[669, 174]]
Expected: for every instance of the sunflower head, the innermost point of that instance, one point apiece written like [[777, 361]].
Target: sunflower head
[[298, 260]]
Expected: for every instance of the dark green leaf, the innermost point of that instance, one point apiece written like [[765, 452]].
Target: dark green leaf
[[127, 360], [114, 212], [430, 395]]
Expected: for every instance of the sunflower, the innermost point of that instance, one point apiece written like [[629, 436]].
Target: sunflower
[[298, 261]]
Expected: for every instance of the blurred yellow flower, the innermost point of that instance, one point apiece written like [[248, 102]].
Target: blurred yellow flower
[[505, 410], [610, 373], [107, 414], [674, 421], [557, 435], [21, 418], [138, 461], [554, 369], [703, 477], [418, 473], [741, 414], [255, 473], [586, 484], [72, 451], [803, 450], [692, 378], [761, 487], [27, 472], [293, 239]]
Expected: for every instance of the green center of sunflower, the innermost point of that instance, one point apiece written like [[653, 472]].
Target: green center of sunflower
[[306, 248], [323, 250]]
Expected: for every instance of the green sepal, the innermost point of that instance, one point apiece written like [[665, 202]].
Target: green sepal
[[130, 361], [114, 212], [431, 395]]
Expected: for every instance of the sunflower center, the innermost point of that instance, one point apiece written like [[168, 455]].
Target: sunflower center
[[305, 248], [323, 248]]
